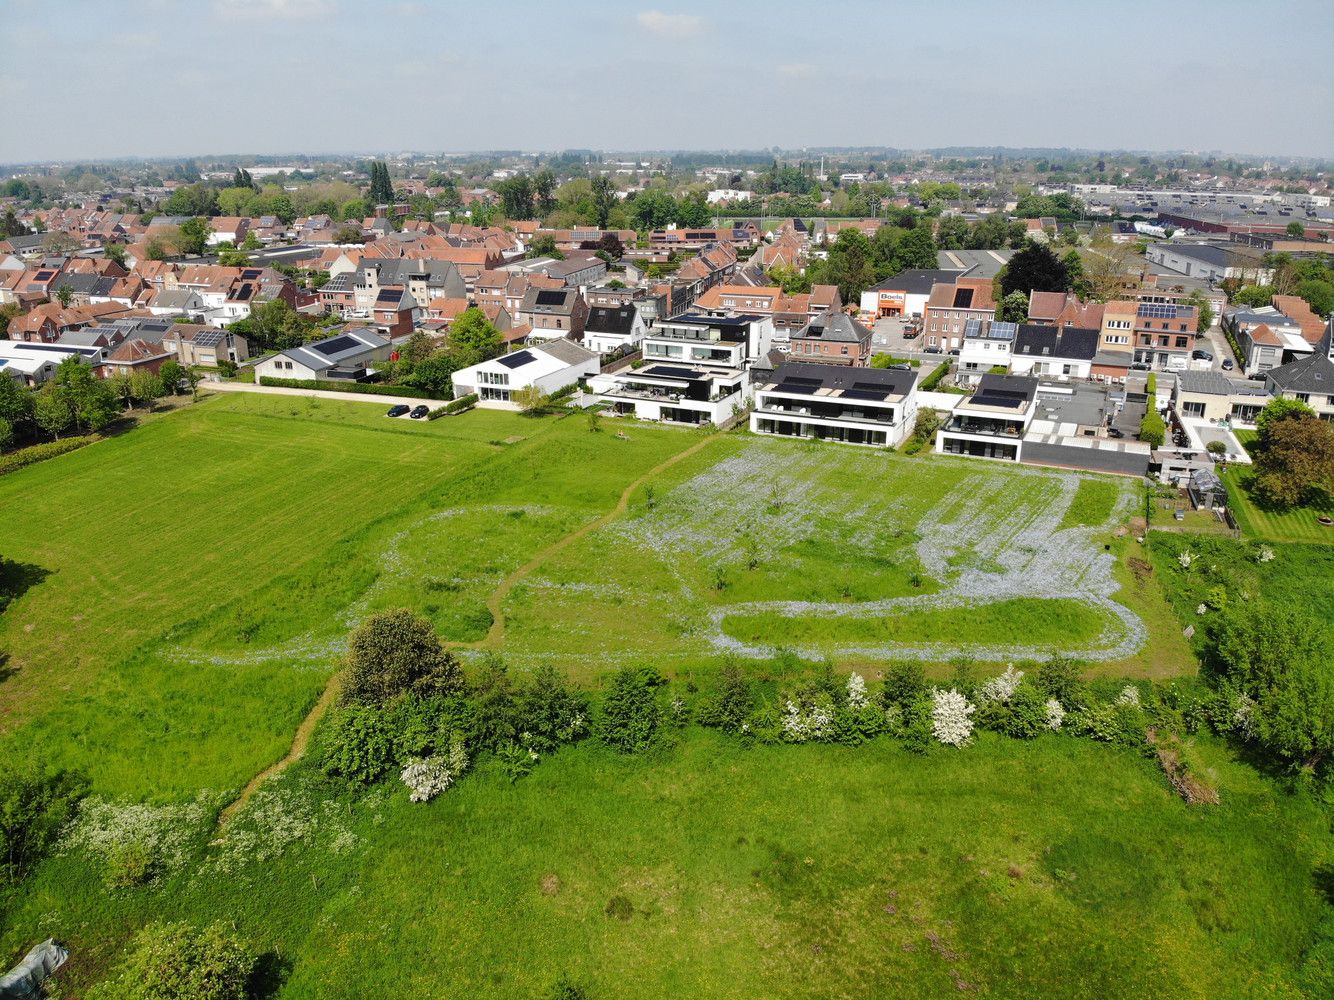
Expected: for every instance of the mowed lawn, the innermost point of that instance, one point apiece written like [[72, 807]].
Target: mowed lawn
[[226, 527], [1056, 868], [1297, 525]]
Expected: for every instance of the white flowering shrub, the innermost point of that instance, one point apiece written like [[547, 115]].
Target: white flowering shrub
[[1185, 559], [1129, 696], [1266, 554], [1202, 609], [1001, 689], [426, 778], [857, 691], [281, 814], [1243, 716], [801, 724], [951, 717], [159, 838], [1055, 715]]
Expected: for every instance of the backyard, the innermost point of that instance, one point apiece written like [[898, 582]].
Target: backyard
[[189, 588]]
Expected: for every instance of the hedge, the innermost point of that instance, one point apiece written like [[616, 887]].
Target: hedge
[[456, 406], [366, 387], [1152, 430], [935, 378], [41, 452]]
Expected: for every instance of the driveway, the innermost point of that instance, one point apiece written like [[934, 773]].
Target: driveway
[[354, 397], [887, 338]]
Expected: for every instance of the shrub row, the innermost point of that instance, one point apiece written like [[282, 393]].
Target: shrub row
[[41, 452], [935, 378], [454, 406], [369, 388]]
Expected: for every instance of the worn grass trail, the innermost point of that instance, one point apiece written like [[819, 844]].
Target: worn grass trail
[[495, 603], [494, 636]]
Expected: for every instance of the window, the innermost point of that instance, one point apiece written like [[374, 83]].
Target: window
[[1303, 397]]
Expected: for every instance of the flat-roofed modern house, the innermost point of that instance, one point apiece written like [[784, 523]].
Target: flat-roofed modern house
[[720, 341], [344, 356], [876, 407], [675, 393], [991, 422], [1214, 397], [548, 367]]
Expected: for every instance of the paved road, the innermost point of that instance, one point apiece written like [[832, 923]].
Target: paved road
[[354, 397]]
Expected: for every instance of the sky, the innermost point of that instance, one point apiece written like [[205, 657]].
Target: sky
[[198, 77]]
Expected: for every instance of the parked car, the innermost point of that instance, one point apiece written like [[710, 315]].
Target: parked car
[[1201, 355], [397, 410], [1228, 365], [419, 411], [1140, 366], [933, 350], [1115, 432], [954, 352]]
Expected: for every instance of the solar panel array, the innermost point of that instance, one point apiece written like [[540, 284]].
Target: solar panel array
[[963, 297], [550, 297], [208, 338], [797, 388], [1000, 398], [879, 394], [669, 371], [250, 274], [516, 360], [1157, 310], [1003, 331], [336, 346]]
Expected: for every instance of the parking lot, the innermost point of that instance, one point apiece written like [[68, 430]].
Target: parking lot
[[887, 338]]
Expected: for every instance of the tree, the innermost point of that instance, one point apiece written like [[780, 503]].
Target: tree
[[177, 961], [516, 197], [849, 265], [115, 252], [1109, 267], [1152, 430], [193, 199], [15, 402], [52, 412], [1279, 655], [145, 387], [604, 197], [395, 653], [242, 179], [1278, 409], [60, 243], [349, 234], [1205, 312], [171, 374], [1035, 268], [544, 245], [381, 191], [652, 209], [951, 232], [1319, 295], [1294, 463], [916, 249], [544, 190], [630, 713], [251, 241], [1013, 308], [473, 338], [90, 400], [65, 295], [35, 805], [1296, 229], [529, 399], [692, 211], [194, 235]]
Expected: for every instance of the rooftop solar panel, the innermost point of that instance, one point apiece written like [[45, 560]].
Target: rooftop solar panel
[[550, 297], [250, 273], [208, 338], [670, 371], [516, 360], [336, 346], [998, 399], [864, 394], [798, 388], [963, 297]]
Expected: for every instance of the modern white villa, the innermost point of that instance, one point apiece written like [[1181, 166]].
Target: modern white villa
[[876, 407], [991, 422], [694, 370]]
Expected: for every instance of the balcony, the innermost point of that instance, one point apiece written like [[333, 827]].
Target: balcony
[[991, 428], [815, 411]]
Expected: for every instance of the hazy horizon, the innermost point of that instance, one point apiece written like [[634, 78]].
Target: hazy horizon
[[306, 77]]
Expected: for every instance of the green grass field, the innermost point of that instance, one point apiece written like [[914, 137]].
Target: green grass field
[[1297, 525], [189, 587]]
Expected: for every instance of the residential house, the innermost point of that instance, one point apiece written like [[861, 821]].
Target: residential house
[[1309, 380], [197, 344], [987, 344], [1165, 334], [134, 355], [951, 305], [1214, 397], [554, 313], [866, 406], [547, 366], [34, 363], [609, 329], [228, 229], [1061, 353], [991, 422], [344, 356], [833, 338], [1117, 330]]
